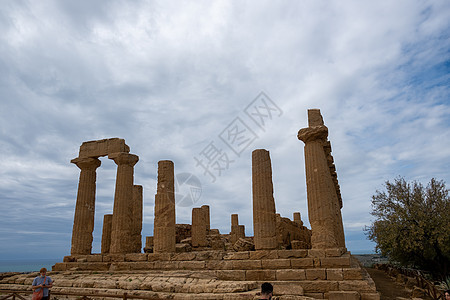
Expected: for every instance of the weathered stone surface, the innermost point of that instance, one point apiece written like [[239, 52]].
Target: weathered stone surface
[[243, 245], [370, 296], [302, 263], [136, 257], [316, 274], [83, 224], [122, 238], [298, 253], [103, 147], [264, 221], [246, 264], [335, 274], [287, 289], [334, 262], [137, 210], [260, 275], [263, 254], [323, 202], [343, 295], [276, 263], [199, 227], [106, 233], [352, 274], [291, 274], [164, 237], [353, 285]]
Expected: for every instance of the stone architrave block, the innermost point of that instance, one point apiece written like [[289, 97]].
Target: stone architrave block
[[103, 147], [114, 257], [341, 295], [291, 274], [335, 274], [302, 262], [260, 275], [316, 274]]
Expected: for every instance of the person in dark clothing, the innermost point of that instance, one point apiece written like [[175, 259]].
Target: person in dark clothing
[[266, 291]]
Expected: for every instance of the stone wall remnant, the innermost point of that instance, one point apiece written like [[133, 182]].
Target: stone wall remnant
[[199, 227]]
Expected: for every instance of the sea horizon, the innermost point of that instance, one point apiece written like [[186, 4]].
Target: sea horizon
[[27, 265]]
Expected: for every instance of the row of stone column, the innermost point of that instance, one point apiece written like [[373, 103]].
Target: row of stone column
[[126, 221]]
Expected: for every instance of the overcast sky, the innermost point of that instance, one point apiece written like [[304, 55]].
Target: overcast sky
[[172, 77]]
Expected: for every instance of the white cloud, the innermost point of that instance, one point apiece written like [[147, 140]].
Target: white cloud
[[169, 77]]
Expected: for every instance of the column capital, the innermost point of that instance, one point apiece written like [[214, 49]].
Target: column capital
[[124, 158], [86, 163], [313, 133]]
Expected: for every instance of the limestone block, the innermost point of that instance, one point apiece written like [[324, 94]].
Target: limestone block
[[341, 295], [219, 265], [316, 253], [370, 296], [210, 255], [298, 253], [103, 147], [287, 289], [184, 256], [264, 254], [179, 248], [352, 274], [166, 265], [191, 265], [316, 274], [276, 263], [335, 252], [291, 274], [199, 227], [237, 255], [114, 257], [159, 256], [260, 275], [335, 274], [59, 267], [335, 262], [356, 285], [321, 286], [69, 259], [302, 262], [243, 245], [246, 264], [136, 257], [94, 258], [315, 295]]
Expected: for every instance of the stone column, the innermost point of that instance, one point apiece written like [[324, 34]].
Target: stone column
[[207, 217], [323, 204], [137, 217], [83, 223], [241, 231], [298, 219], [264, 221], [122, 221], [234, 228], [198, 228], [106, 234], [164, 224]]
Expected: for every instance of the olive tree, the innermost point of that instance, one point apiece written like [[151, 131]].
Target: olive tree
[[412, 224]]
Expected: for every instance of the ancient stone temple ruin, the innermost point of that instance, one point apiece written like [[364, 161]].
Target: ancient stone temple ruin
[[195, 261]]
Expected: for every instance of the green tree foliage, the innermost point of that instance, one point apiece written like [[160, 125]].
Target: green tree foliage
[[412, 224]]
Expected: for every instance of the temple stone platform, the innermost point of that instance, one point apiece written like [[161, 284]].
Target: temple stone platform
[[295, 274]]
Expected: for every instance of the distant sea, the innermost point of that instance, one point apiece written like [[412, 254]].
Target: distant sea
[[28, 265]]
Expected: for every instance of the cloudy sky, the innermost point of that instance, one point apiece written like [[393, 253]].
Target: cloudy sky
[[172, 77]]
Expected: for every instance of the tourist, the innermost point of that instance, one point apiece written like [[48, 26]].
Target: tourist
[[42, 282], [447, 295], [266, 291]]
